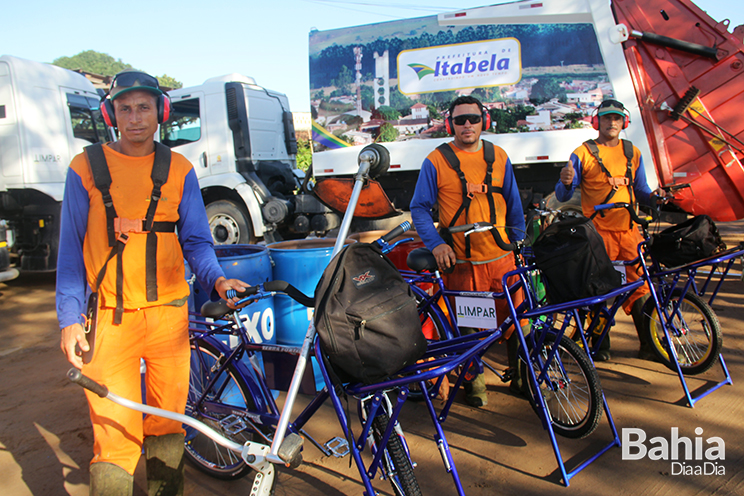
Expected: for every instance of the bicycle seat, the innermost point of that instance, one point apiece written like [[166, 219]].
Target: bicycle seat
[[421, 259], [214, 309]]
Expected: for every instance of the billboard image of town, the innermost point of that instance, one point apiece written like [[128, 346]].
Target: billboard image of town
[[394, 81]]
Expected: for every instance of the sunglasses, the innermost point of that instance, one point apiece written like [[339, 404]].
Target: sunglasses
[[460, 120], [130, 79]]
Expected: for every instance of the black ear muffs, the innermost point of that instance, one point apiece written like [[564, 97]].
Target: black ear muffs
[[449, 125], [109, 115]]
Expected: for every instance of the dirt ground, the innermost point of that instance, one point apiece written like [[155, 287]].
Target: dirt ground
[[45, 433]]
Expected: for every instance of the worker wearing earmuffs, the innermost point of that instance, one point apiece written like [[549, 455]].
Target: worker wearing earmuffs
[[132, 211], [610, 170]]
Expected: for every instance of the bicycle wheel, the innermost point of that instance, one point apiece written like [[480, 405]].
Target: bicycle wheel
[[696, 333], [570, 389], [228, 394], [397, 464]]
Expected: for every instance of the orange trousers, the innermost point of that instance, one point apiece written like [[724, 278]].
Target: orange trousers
[[486, 277], [160, 336], [623, 245]]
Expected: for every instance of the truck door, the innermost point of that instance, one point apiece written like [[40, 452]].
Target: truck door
[[186, 132]]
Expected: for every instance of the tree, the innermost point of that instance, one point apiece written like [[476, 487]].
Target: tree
[[546, 89], [344, 79], [387, 134], [388, 113], [304, 154], [105, 65]]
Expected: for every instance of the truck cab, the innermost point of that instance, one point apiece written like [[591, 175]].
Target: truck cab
[[240, 138], [47, 115]]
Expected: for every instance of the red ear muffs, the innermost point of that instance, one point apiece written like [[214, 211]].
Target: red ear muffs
[[109, 115], [164, 108], [449, 126], [107, 111], [595, 120]]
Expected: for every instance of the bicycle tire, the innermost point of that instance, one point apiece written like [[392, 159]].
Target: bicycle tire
[[231, 389], [699, 343], [575, 405], [396, 461]]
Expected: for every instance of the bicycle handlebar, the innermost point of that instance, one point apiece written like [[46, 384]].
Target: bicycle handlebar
[[275, 286], [633, 215], [396, 231], [77, 377], [482, 227]]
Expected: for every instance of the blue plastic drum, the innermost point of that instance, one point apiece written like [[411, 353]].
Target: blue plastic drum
[[301, 263]]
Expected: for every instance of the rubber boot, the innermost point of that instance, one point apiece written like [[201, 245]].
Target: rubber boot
[[603, 353], [517, 384], [636, 311], [164, 462], [107, 479], [475, 390]]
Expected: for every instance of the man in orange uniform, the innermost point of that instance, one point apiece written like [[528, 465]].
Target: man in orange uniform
[[610, 170], [479, 263], [132, 256]]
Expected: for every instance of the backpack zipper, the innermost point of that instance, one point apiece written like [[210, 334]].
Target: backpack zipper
[[362, 323]]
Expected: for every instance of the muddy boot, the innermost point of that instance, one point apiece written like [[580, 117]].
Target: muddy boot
[[603, 353], [636, 311], [475, 391], [164, 462], [107, 479], [517, 385]]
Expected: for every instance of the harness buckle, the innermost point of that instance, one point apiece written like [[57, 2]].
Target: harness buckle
[[122, 225], [617, 182], [480, 189]]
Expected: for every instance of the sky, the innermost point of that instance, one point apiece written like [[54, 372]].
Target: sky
[[192, 41]]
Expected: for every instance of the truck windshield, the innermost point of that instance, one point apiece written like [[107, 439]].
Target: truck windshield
[[85, 115], [184, 125]]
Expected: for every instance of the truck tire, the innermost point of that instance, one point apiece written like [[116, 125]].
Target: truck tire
[[229, 223]]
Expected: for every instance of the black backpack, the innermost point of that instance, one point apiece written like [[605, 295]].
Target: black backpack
[[686, 242], [571, 255], [366, 316]]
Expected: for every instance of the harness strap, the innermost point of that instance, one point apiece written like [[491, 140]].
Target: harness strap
[[615, 182], [119, 228], [470, 189]]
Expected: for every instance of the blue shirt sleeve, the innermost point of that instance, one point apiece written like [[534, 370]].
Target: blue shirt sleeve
[[640, 185], [514, 211], [72, 286], [195, 237], [424, 199], [564, 193]]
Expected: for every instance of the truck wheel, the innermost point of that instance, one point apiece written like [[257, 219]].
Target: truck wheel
[[229, 223]]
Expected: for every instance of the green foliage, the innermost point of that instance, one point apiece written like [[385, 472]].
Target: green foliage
[[335, 107], [304, 154], [388, 113], [105, 65], [368, 97], [92, 61], [434, 112], [400, 102], [387, 134], [546, 89], [506, 120], [344, 80]]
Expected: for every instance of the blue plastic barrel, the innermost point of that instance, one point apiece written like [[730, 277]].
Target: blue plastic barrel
[[301, 263], [251, 264]]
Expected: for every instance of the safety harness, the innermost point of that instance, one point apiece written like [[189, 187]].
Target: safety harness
[[471, 189], [619, 181], [119, 228]]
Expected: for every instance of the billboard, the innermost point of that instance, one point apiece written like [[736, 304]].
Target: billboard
[[394, 81]]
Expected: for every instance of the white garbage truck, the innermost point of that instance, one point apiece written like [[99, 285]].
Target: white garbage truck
[[47, 115]]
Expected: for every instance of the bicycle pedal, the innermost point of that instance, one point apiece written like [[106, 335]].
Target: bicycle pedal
[[338, 446], [291, 450], [233, 425]]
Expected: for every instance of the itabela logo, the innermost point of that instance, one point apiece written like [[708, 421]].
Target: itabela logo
[[421, 70]]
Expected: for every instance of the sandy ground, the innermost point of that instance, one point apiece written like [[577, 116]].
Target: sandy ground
[[45, 434]]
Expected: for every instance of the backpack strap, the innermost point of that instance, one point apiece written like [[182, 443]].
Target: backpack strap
[[615, 182], [118, 228], [470, 189]]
